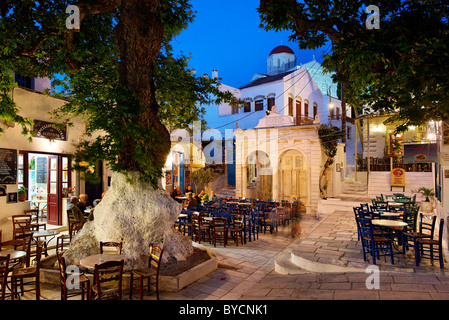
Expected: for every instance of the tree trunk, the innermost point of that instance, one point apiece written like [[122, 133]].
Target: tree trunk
[[323, 177], [138, 37]]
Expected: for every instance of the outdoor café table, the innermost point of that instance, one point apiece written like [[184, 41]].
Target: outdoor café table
[[13, 254], [50, 234], [89, 262], [388, 214], [390, 224], [395, 204]]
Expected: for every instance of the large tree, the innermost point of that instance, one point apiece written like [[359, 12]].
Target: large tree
[[119, 73], [400, 67]]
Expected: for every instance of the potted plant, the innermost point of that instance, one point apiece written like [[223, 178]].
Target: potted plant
[[68, 192], [427, 205], [22, 193]]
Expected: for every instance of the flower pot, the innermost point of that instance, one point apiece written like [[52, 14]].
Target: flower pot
[[22, 197], [426, 206]]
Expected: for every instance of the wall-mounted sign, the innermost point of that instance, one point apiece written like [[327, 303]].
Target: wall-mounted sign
[[420, 153], [49, 130], [8, 166], [398, 177], [12, 197]]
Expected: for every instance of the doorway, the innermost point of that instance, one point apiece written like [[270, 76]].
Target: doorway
[[293, 177], [45, 176]]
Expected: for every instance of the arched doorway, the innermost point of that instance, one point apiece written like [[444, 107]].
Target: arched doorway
[[259, 175], [293, 177]]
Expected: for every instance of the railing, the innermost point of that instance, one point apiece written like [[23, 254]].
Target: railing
[[303, 120], [385, 164]]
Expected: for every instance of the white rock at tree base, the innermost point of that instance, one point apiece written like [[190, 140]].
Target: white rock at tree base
[[137, 215]]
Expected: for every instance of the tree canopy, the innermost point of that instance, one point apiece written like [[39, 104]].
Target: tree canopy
[[400, 68], [118, 73]]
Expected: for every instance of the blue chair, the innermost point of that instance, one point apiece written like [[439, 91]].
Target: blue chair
[[424, 248], [426, 230], [374, 245]]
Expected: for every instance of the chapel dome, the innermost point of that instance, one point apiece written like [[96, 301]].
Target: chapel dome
[[281, 49]]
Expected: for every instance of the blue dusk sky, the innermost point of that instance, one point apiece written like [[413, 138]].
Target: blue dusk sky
[[226, 36]]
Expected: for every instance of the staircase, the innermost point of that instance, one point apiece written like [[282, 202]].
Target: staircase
[[352, 187]]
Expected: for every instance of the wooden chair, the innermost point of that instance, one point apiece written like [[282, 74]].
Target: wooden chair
[[200, 231], [151, 273], [373, 244], [107, 281], [219, 231], [236, 229], [82, 287], [424, 248], [22, 244], [21, 223], [32, 273], [111, 247], [35, 224], [426, 229], [67, 238], [4, 270]]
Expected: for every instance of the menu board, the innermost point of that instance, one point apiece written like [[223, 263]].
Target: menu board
[[398, 177], [41, 170], [8, 166]]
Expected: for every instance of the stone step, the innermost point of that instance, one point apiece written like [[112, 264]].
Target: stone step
[[296, 264]]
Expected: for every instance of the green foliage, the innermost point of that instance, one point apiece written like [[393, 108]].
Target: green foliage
[[329, 137], [400, 68], [22, 190], [85, 68], [202, 177], [426, 192]]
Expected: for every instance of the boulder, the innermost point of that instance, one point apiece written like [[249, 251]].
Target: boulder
[[135, 214]]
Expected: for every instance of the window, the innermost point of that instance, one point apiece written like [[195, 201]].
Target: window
[[306, 110], [235, 110], [23, 81], [338, 113], [247, 107], [258, 105], [348, 135], [270, 103], [315, 111]]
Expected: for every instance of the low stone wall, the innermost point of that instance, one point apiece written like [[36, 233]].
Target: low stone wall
[[166, 283]]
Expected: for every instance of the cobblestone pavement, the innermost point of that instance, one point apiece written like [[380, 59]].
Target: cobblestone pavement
[[247, 272]]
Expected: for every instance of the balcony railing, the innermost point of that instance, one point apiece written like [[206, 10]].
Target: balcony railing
[[385, 164], [303, 120]]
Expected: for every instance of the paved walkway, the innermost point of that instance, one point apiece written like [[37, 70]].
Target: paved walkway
[[248, 272]]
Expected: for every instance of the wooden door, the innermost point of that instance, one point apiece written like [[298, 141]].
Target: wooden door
[[54, 191], [298, 112]]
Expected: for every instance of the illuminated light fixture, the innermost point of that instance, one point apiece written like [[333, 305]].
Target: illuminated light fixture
[[411, 127]]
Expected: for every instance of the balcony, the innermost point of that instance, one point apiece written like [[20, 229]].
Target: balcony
[[302, 120], [385, 164]]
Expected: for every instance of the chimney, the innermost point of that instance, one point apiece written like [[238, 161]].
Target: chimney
[[214, 74]]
